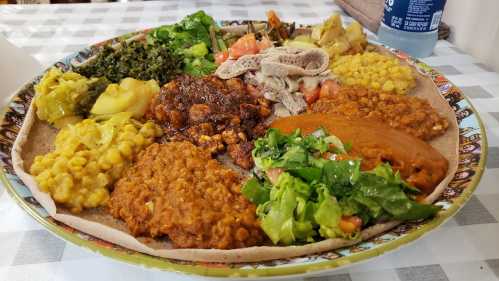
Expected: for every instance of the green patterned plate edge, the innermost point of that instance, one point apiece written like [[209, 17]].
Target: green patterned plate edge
[[213, 271]]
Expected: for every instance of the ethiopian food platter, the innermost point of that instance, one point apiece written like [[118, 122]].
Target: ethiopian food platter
[[255, 148]]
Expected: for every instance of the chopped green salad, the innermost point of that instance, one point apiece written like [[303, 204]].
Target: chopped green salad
[[194, 38], [304, 195]]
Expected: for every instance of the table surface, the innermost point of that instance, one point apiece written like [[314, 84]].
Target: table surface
[[465, 248]]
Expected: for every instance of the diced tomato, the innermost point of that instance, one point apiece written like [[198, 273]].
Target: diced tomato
[[263, 44], [347, 226], [311, 95], [274, 173], [350, 224], [221, 57], [245, 45], [329, 88], [357, 221]]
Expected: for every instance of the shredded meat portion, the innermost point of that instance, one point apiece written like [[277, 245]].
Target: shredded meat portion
[[177, 189], [212, 113], [413, 115]]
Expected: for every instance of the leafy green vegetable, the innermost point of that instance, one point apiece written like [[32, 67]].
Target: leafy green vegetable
[[313, 193], [386, 171], [328, 215], [276, 150], [278, 221], [190, 39], [294, 157], [199, 66], [199, 50], [338, 145], [308, 174], [286, 216], [255, 191], [392, 198], [221, 44], [136, 60], [341, 173], [198, 25]]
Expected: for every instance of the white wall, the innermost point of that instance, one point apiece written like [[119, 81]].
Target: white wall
[[475, 28]]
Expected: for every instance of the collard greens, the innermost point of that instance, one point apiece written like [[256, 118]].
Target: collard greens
[[189, 39]]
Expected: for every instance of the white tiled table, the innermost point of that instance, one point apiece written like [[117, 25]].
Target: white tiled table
[[465, 248]]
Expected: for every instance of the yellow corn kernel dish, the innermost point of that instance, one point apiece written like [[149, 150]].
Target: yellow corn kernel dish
[[89, 157], [374, 71]]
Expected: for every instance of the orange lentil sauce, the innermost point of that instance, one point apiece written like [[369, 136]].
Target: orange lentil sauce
[[412, 115], [177, 189], [375, 143]]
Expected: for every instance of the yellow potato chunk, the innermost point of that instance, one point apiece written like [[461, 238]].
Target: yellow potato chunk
[[130, 95], [333, 38]]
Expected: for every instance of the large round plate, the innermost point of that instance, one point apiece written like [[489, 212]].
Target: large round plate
[[472, 157]]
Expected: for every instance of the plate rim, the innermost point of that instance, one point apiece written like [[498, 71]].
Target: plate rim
[[152, 262]]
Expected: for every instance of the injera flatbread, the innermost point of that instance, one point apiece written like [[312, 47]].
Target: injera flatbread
[[35, 138]]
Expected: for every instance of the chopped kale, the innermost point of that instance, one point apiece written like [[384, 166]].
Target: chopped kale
[[136, 60]]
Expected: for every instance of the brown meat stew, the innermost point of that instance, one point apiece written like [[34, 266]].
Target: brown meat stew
[[219, 115]]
